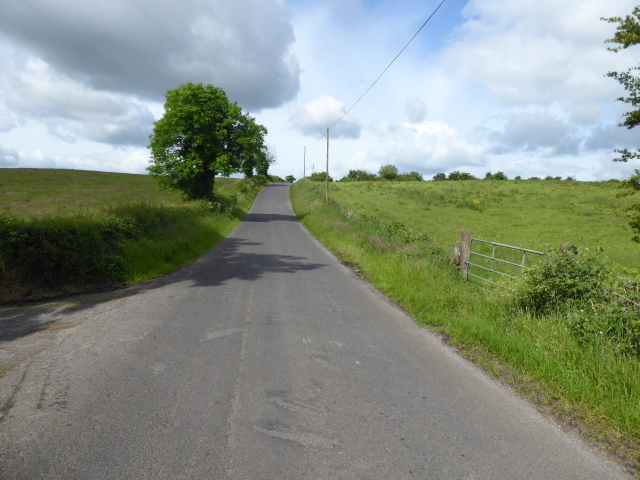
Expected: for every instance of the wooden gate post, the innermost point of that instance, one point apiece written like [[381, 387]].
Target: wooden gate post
[[465, 249]]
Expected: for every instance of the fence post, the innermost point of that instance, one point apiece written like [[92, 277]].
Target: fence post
[[465, 249]]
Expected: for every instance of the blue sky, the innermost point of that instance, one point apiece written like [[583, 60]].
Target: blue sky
[[487, 85]]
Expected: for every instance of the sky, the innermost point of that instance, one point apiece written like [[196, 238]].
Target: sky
[[486, 85]]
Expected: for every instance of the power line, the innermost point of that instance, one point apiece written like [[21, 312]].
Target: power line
[[388, 66]]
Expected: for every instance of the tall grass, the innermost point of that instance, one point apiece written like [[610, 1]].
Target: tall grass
[[587, 382]]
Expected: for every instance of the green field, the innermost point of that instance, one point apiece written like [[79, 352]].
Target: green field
[[538, 215], [29, 192], [68, 231]]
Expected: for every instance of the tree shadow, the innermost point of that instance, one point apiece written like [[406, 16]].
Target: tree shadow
[[269, 217], [225, 262], [231, 260]]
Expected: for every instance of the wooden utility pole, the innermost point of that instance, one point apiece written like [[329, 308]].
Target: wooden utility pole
[[327, 178]]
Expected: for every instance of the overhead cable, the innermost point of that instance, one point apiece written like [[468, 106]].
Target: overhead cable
[[388, 66]]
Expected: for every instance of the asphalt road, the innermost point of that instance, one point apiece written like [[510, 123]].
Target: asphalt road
[[265, 359]]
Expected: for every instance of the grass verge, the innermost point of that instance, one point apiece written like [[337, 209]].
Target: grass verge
[[591, 387], [45, 253]]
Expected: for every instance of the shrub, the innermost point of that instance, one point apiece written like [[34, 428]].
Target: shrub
[[460, 176], [359, 176], [319, 177], [560, 279], [410, 177], [596, 302]]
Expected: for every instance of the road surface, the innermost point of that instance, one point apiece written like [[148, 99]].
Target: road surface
[[265, 359]]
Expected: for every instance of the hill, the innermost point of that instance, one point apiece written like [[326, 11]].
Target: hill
[[67, 231]]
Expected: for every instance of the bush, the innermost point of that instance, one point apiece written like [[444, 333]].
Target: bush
[[359, 176], [410, 177], [595, 301], [50, 251], [561, 278], [388, 172], [460, 176], [319, 177]]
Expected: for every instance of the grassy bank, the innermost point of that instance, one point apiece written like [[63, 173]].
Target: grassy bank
[[64, 231], [587, 381], [532, 214]]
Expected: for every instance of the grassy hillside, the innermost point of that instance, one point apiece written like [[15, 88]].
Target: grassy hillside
[[64, 231], [538, 215], [29, 192], [578, 359]]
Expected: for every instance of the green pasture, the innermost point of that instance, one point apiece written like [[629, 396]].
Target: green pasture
[[538, 215], [29, 192], [67, 231]]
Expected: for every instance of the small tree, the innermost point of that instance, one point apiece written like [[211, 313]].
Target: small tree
[[319, 177], [289, 179], [358, 176], [457, 175], [439, 177], [388, 172], [201, 135]]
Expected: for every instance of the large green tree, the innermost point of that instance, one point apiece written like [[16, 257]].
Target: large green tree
[[201, 135]]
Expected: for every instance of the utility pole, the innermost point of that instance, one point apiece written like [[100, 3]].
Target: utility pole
[[327, 178]]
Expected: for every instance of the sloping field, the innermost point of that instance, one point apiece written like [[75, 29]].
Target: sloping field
[[66, 231], [538, 215], [29, 192]]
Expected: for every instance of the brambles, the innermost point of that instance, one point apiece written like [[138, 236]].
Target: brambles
[[597, 303]]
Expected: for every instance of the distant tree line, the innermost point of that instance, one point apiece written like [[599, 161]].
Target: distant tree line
[[457, 175], [386, 172]]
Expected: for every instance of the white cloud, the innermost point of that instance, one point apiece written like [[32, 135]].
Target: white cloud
[[124, 161], [131, 161], [314, 117], [527, 52], [610, 137], [536, 130], [8, 156], [416, 109], [70, 110], [428, 147]]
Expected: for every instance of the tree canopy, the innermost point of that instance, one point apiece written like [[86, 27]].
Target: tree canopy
[[201, 135], [388, 172]]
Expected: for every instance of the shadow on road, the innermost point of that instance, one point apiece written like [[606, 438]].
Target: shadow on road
[[269, 217], [230, 259]]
